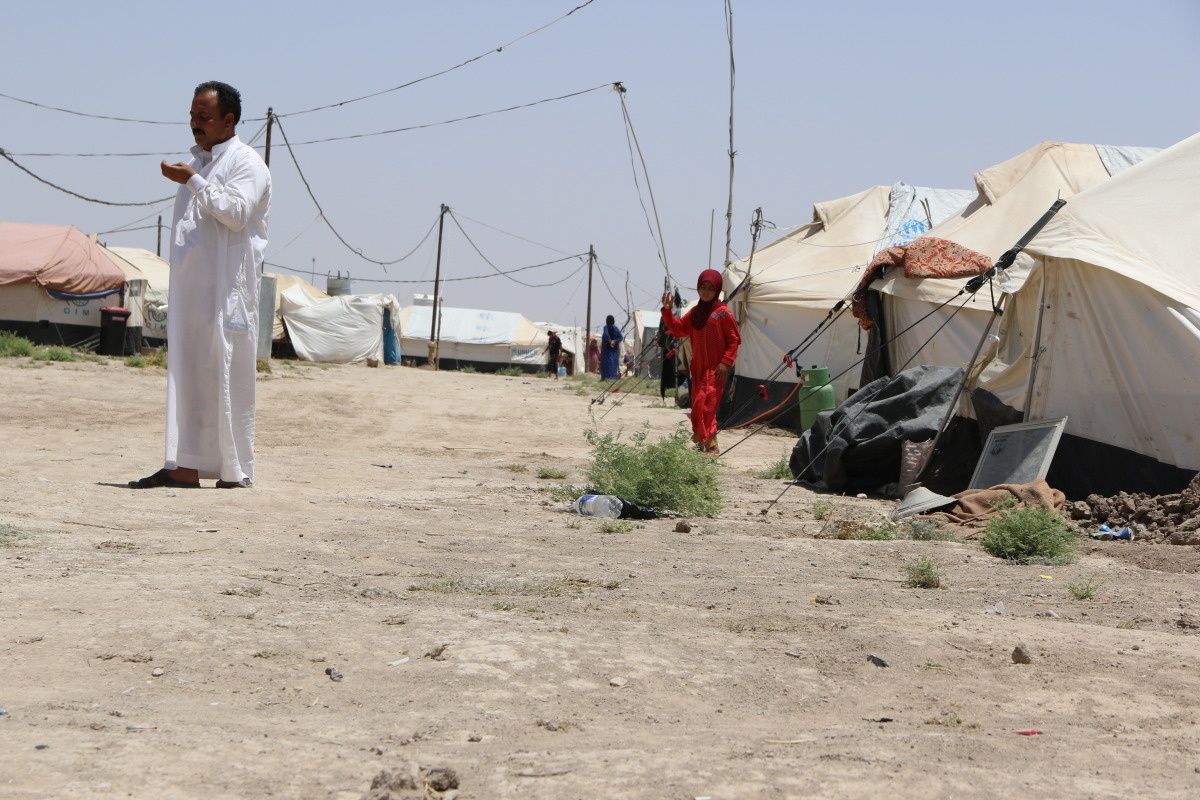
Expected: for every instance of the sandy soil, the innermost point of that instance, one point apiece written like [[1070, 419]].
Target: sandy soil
[[388, 522]]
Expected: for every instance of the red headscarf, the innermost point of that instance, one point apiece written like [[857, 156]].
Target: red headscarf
[[702, 310]]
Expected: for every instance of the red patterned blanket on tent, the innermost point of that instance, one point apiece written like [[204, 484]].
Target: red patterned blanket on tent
[[927, 257]]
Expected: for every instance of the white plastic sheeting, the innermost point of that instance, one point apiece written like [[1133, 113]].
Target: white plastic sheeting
[[339, 330]]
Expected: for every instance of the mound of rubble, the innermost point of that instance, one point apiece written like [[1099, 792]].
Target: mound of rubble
[[1167, 518]]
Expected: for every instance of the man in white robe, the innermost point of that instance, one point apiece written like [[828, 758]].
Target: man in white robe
[[218, 239]]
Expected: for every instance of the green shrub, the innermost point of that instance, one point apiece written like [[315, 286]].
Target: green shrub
[[57, 354], [1027, 535], [922, 573], [666, 475], [135, 361], [1084, 588], [821, 509], [13, 346], [551, 474], [876, 533], [616, 526], [776, 471]]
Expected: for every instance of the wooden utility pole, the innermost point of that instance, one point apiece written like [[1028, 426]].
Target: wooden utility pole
[[587, 332], [434, 328], [158, 247], [270, 123]]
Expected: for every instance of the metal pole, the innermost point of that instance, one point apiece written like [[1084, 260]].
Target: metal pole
[[434, 332], [732, 152], [712, 218], [587, 333], [270, 123], [158, 247]]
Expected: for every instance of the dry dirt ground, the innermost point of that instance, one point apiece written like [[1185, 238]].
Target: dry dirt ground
[[175, 644]]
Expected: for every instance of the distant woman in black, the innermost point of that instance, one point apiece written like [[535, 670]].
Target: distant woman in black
[[554, 348]]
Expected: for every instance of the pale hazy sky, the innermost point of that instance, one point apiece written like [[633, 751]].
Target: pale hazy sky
[[831, 98]]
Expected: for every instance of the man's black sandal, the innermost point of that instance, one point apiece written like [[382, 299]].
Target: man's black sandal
[[162, 480]]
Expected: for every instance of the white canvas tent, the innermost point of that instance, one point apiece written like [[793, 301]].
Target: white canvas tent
[[147, 280], [484, 340], [282, 284], [340, 330], [1115, 279], [792, 284], [1010, 197]]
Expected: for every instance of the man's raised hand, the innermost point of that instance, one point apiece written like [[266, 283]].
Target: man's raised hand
[[177, 172]]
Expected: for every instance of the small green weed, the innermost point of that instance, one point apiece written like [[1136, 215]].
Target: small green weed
[[585, 383], [10, 535], [62, 354], [513, 587], [821, 509], [775, 471], [925, 530], [1030, 535], [157, 358], [616, 526], [922, 573], [137, 362], [1084, 588], [468, 370], [13, 346], [511, 372], [263, 365], [666, 475], [876, 533], [551, 474], [519, 468]]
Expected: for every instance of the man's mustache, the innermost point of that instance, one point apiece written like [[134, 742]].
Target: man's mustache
[[197, 131]]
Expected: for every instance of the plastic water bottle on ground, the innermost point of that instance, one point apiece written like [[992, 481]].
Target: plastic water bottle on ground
[[599, 505]]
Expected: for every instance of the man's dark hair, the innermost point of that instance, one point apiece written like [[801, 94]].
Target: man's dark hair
[[229, 99]]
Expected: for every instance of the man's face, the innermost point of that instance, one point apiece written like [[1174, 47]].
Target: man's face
[[209, 125], [708, 292]]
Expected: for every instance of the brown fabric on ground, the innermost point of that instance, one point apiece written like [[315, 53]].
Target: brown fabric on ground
[[976, 507]]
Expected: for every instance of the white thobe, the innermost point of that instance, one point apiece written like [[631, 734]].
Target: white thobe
[[218, 240]]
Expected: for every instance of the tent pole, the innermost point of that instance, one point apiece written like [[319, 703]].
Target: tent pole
[[434, 328], [1037, 351], [270, 124], [587, 332]]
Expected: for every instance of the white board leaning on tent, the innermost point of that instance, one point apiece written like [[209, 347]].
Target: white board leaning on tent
[[1011, 196], [1120, 336], [340, 330]]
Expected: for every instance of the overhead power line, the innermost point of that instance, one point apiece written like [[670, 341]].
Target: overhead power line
[[498, 270], [63, 189], [491, 51], [455, 119], [328, 224], [459, 65], [448, 280]]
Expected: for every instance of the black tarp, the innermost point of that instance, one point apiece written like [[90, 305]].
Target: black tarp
[[856, 447]]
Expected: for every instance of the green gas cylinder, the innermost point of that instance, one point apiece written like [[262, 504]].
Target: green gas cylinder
[[816, 395]]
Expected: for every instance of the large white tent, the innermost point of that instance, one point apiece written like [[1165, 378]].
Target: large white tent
[[1010, 197], [345, 329], [790, 286], [481, 339], [1107, 296]]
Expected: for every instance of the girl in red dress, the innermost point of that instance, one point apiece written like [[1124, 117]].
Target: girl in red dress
[[715, 340]]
